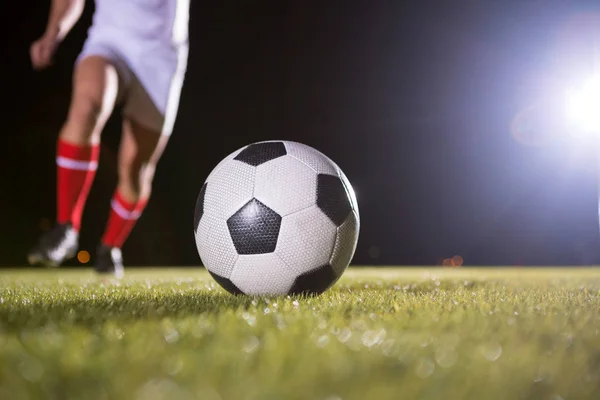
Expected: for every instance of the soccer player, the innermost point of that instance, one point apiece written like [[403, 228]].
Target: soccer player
[[135, 53]]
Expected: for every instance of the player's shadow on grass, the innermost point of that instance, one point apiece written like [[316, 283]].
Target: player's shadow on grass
[[98, 309]]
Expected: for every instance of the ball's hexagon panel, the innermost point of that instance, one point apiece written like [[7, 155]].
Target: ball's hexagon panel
[[262, 274], [259, 153], [199, 209], [286, 185], [254, 228], [306, 240], [226, 284], [332, 198], [215, 246], [313, 158], [345, 244], [314, 282], [228, 189]]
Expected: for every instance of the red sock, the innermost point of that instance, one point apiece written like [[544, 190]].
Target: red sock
[[122, 219], [76, 168]]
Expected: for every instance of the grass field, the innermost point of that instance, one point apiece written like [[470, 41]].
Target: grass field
[[378, 334]]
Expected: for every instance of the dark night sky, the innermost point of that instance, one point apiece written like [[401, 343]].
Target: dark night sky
[[414, 101]]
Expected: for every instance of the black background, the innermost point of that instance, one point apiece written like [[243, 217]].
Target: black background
[[414, 101]]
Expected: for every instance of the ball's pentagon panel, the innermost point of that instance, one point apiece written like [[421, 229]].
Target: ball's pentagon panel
[[332, 198], [315, 281], [254, 228], [259, 153], [199, 210], [286, 184]]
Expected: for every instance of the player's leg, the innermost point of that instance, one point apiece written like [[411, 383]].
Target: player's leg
[[95, 89], [150, 110], [140, 150]]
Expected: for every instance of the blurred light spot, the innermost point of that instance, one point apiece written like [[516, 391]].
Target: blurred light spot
[[172, 336], [457, 261], [83, 257], [344, 335], [251, 344], [491, 351], [582, 105], [387, 347], [281, 325], [322, 324], [173, 366], [31, 369], [165, 389], [249, 318], [322, 341], [372, 338], [114, 333], [374, 252], [446, 356], [447, 262], [538, 125], [425, 368]]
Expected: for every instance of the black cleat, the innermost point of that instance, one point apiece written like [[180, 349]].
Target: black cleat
[[55, 246], [109, 261]]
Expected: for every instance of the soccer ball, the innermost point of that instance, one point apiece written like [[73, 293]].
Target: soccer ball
[[276, 218]]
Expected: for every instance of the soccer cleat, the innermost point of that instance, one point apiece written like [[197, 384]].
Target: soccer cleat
[[109, 261], [55, 247]]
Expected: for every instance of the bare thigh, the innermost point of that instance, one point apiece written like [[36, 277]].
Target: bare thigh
[[95, 91]]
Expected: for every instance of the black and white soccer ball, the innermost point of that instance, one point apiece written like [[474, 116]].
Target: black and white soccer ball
[[276, 218]]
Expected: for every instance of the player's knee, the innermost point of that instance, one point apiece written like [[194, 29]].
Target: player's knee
[[82, 119], [85, 110], [129, 176], [136, 177]]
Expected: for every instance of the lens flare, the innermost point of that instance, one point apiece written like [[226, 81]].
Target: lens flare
[[457, 261], [83, 257], [583, 106]]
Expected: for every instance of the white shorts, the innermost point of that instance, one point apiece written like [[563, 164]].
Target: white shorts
[[151, 75]]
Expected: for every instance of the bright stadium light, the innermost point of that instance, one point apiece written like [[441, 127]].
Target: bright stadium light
[[583, 106]]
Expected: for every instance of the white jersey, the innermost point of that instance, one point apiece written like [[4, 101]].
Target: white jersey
[[147, 40], [149, 20]]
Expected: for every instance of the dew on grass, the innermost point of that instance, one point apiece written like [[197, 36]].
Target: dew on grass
[[491, 351], [31, 369], [171, 336], [322, 341], [424, 367], [446, 356], [371, 337], [250, 344], [344, 335]]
